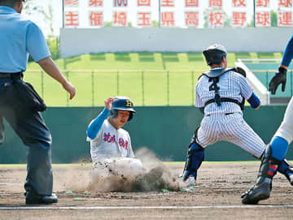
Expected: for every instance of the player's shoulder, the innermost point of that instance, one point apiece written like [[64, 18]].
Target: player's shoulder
[[232, 74], [240, 72]]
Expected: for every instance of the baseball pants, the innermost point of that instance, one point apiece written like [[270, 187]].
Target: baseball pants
[[30, 127], [231, 128]]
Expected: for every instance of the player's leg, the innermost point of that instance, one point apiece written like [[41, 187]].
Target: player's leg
[[283, 137], [284, 134], [273, 158], [238, 132], [261, 190], [31, 128], [194, 158]]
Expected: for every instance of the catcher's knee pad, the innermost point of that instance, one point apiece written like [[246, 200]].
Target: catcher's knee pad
[[195, 156]]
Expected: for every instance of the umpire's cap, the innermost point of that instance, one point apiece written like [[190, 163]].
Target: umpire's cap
[[122, 103], [214, 54]]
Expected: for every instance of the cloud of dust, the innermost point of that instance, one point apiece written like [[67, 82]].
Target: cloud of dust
[[74, 178], [154, 176]]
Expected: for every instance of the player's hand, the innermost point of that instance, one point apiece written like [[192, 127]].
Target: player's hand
[[279, 78], [108, 103], [70, 89]]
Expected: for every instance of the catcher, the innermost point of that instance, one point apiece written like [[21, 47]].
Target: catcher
[[111, 149], [220, 95]]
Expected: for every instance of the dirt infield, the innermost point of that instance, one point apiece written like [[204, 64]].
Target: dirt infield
[[216, 196]]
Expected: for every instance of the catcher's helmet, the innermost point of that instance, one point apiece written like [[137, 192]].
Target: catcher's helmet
[[122, 103], [214, 54]]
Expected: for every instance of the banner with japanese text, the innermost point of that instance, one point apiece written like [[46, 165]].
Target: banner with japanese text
[[177, 13]]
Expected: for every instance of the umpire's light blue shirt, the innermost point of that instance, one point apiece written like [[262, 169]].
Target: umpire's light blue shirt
[[19, 37]]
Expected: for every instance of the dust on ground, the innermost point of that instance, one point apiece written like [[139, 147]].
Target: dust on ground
[[215, 196], [154, 177]]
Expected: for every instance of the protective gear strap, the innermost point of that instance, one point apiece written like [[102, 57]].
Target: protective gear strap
[[219, 72], [214, 76], [225, 100]]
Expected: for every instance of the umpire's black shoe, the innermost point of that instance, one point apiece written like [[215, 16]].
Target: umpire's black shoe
[[32, 198]]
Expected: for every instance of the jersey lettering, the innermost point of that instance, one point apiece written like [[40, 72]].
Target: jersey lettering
[[109, 138], [123, 143]]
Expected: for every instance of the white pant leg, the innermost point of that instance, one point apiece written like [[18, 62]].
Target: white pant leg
[[238, 132], [119, 166], [231, 128], [286, 128], [207, 132]]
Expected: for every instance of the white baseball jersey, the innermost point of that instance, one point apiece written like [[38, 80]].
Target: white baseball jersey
[[225, 122], [232, 85], [110, 143]]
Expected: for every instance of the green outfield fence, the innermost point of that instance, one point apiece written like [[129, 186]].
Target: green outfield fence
[[144, 87]]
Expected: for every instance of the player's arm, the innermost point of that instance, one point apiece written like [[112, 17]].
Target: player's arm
[[37, 47], [50, 67], [288, 54], [95, 126], [254, 101], [280, 76], [248, 94]]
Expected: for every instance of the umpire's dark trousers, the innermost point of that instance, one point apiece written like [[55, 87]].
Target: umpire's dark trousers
[[30, 127]]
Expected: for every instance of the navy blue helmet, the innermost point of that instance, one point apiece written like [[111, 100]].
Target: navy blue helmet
[[122, 103], [214, 54]]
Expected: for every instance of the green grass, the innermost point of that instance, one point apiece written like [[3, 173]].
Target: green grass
[[151, 79]]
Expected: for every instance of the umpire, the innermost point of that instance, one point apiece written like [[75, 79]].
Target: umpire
[[20, 37]]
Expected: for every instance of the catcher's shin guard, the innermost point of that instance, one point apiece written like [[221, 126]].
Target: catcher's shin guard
[[195, 156], [286, 168], [261, 190]]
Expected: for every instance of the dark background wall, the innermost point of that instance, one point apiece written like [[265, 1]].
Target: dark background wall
[[164, 130]]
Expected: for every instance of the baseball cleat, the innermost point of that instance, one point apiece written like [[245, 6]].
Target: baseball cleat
[[256, 193], [190, 181]]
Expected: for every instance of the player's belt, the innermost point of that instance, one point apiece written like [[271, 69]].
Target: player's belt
[[18, 75], [223, 100]]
